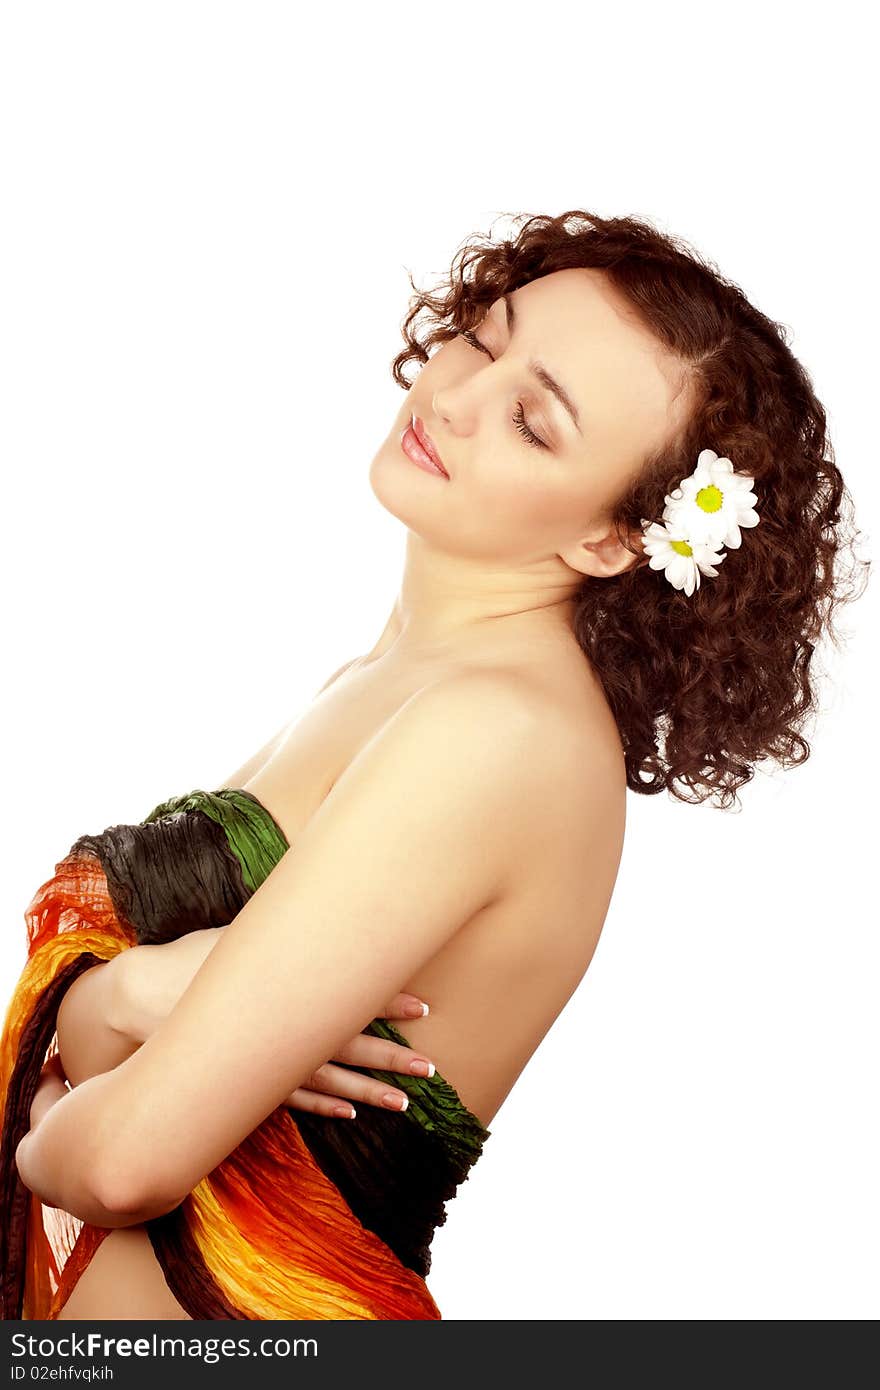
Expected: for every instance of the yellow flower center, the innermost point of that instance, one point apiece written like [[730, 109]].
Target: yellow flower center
[[681, 547], [710, 498]]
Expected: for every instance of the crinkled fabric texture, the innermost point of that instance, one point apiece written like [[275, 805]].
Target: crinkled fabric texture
[[309, 1217]]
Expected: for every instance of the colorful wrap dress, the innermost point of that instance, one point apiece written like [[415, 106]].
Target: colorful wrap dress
[[310, 1217]]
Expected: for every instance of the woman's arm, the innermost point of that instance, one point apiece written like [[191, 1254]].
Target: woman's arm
[[104, 1017], [91, 1025], [111, 1009], [59, 1177], [106, 1014], [423, 829]]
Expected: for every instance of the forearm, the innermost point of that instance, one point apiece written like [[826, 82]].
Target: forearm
[[93, 1030], [57, 1159], [62, 1158], [104, 1017]]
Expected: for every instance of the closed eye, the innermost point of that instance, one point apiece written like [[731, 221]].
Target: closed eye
[[518, 419]]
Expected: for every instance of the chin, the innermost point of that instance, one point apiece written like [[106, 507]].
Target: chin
[[387, 485], [396, 485]]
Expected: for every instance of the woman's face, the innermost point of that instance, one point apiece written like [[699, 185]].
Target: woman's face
[[532, 480]]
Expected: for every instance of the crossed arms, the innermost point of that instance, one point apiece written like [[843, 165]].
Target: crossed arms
[[424, 828]]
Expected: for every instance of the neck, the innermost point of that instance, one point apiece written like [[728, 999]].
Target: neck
[[447, 606]]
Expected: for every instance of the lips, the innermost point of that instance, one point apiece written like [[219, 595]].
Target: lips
[[427, 444]]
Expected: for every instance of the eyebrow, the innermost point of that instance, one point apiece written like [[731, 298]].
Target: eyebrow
[[540, 371]]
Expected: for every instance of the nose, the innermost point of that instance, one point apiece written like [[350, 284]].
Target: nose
[[457, 422]]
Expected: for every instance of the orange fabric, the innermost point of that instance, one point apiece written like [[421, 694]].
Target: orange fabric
[[275, 1234]]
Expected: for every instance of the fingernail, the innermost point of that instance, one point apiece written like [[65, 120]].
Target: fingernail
[[344, 1112], [420, 1066], [394, 1101], [416, 1009]]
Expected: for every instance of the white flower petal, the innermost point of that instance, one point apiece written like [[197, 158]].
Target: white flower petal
[[681, 568], [705, 528], [705, 532], [672, 567]]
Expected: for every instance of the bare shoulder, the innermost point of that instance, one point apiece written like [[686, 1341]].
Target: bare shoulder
[[475, 697], [467, 718], [560, 751], [567, 842], [573, 735]]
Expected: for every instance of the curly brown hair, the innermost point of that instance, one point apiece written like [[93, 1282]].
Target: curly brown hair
[[702, 688]]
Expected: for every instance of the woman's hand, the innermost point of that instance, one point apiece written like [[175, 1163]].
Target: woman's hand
[[51, 1086], [322, 1092], [154, 977]]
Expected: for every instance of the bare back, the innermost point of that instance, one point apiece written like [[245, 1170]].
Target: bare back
[[497, 986]]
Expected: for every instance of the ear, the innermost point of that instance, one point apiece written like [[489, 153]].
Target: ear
[[604, 556]]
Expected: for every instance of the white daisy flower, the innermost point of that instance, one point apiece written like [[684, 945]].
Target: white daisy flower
[[713, 503], [682, 559]]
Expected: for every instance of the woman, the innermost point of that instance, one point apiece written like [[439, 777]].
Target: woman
[[604, 412]]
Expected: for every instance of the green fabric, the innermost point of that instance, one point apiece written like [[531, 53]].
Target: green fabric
[[252, 832]]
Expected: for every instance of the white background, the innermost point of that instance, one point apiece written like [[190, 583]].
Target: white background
[[208, 216]]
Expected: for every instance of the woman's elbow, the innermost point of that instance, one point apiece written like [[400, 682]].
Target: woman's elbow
[[123, 1156], [129, 1198], [92, 1196], [125, 1175]]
